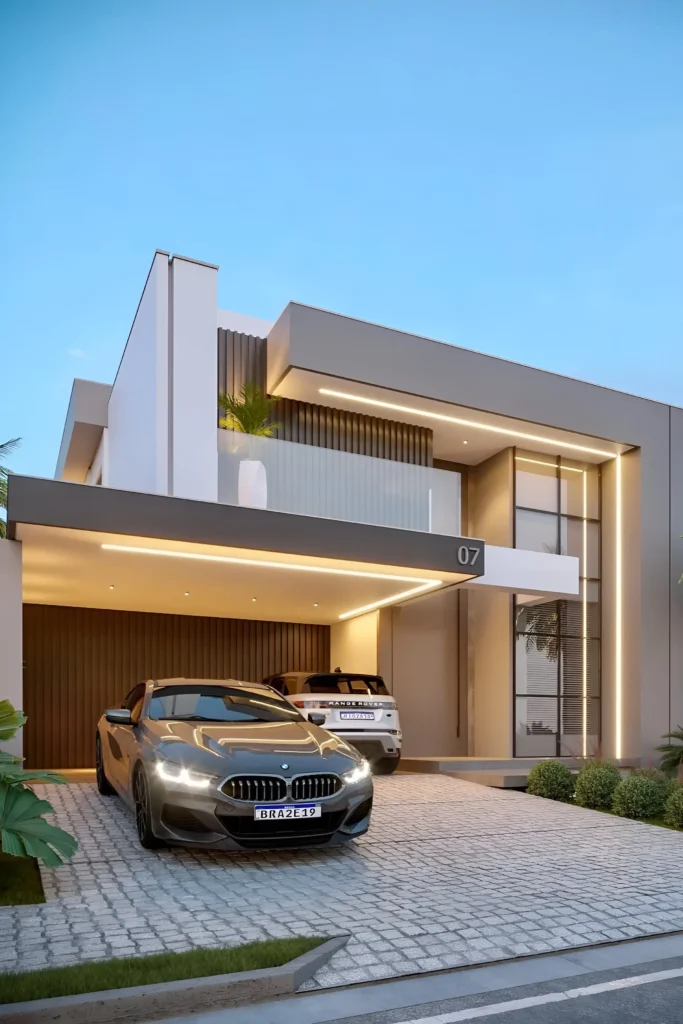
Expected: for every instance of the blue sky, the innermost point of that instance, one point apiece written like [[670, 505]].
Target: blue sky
[[505, 175]]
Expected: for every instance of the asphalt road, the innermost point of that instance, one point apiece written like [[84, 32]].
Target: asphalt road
[[625, 999], [637, 982]]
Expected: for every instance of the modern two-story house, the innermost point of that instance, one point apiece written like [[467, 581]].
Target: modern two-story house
[[499, 542]]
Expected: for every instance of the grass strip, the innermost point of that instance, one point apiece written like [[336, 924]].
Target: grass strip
[[20, 881], [99, 976]]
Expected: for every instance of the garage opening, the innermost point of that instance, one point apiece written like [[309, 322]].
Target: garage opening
[[79, 661]]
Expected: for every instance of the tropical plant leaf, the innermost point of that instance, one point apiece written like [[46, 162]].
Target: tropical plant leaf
[[672, 753], [11, 720], [249, 412], [25, 833], [14, 775]]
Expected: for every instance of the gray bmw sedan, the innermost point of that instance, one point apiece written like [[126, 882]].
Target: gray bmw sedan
[[230, 765]]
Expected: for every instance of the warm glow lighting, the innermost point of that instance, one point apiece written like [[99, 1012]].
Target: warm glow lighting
[[390, 600], [584, 616], [553, 465], [618, 604], [411, 411], [422, 584]]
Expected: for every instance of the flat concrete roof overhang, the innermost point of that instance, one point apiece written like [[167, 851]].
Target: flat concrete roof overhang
[[86, 418], [98, 547], [474, 404]]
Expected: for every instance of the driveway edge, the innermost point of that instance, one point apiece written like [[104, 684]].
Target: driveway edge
[[169, 999]]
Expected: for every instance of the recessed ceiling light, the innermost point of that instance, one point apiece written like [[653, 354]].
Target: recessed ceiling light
[[111, 586], [187, 593], [472, 424], [466, 442], [315, 604], [253, 600], [421, 584]]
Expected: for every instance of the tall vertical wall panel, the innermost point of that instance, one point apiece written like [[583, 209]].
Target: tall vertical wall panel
[[79, 661], [242, 358]]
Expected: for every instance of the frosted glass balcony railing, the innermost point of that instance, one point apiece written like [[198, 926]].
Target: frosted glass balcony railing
[[263, 472]]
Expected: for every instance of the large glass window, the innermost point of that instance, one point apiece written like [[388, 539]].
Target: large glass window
[[557, 643]]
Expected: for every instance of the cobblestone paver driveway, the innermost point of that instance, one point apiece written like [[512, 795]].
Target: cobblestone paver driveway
[[450, 873]]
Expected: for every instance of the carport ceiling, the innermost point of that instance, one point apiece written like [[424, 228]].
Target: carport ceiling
[[102, 570]]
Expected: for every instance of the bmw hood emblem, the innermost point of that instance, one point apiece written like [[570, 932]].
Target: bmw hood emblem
[[285, 766]]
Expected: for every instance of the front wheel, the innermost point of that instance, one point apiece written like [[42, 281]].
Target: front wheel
[[104, 786], [143, 814], [386, 765]]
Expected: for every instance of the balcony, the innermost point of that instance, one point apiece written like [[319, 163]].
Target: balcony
[[263, 472]]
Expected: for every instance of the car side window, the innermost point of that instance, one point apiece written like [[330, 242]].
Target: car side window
[[278, 684], [134, 701]]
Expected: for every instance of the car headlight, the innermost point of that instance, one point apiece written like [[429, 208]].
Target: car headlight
[[357, 774], [170, 772]]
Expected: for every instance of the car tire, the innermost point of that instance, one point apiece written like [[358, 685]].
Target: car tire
[[386, 765], [104, 786], [143, 814]]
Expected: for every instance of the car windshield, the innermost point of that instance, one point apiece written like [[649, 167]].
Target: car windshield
[[338, 682], [206, 703]]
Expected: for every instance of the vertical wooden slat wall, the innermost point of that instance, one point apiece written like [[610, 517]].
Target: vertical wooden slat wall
[[242, 358], [79, 661]]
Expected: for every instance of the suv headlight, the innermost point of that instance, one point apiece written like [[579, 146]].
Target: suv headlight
[[357, 774], [170, 772]]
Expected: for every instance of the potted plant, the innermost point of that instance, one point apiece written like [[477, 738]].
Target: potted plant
[[249, 413]]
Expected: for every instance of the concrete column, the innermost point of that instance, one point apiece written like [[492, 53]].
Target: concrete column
[[490, 698], [11, 673], [193, 374]]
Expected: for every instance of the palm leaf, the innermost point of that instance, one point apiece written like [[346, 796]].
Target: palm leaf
[[249, 412], [672, 753], [25, 833], [11, 720]]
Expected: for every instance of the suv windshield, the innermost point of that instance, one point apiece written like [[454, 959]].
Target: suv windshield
[[339, 682], [206, 703]]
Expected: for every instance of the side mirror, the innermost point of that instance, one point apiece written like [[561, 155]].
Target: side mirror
[[315, 718], [118, 716]]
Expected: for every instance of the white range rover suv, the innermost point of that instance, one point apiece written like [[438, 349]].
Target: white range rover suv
[[357, 707]]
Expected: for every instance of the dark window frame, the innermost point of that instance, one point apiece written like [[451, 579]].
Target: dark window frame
[[559, 515]]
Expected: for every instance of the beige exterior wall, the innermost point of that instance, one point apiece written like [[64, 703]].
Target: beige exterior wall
[[490, 699], [424, 680], [675, 624], [353, 644], [11, 631]]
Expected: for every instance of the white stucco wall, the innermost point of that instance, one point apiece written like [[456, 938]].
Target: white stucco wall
[[353, 644], [11, 677], [193, 380], [138, 405]]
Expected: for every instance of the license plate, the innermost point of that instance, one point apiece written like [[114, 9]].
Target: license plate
[[358, 716], [278, 812]]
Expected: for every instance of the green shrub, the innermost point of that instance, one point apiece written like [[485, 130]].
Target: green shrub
[[638, 796], [552, 780], [663, 781], [595, 785], [673, 810]]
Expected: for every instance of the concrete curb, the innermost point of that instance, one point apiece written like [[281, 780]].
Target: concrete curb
[[169, 999]]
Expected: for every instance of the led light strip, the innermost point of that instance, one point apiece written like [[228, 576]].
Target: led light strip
[[464, 423], [553, 465], [422, 584], [584, 616], [618, 610]]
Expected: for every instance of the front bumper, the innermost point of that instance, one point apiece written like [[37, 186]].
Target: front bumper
[[212, 820]]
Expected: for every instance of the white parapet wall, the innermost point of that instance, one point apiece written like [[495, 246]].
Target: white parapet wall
[[11, 674], [516, 571]]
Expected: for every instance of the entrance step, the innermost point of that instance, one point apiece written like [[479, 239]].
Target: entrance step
[[497, 772]]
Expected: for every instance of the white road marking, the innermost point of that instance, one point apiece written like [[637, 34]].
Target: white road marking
[[551, 997]]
